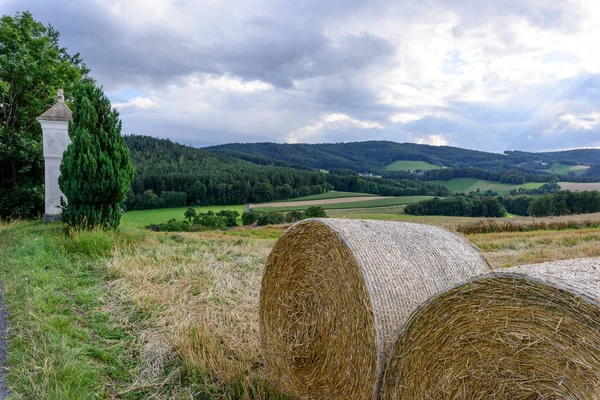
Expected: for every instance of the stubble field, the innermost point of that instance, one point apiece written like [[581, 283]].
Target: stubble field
[[163, 316]]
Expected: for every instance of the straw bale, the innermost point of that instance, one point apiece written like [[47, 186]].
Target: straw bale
[[530, 332], [335, 293]]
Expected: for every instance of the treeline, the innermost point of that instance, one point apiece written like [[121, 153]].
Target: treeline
[[556, 204], [459, 206], [565, 203], [512, 176], [172, 175]]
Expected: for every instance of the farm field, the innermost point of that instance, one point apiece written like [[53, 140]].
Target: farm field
[[136, 314], [469, 184], [329, 195], [411, 166], [142, 218], [330, 204], [564, 169], [577, 187]]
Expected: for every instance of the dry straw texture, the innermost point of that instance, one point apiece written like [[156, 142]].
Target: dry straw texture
[[530, 332], [335, 293]]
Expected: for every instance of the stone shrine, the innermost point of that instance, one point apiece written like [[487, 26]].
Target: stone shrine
[[55, 128]]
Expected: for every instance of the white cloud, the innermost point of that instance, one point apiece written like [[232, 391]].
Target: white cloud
[[336, 121], [138, 102], [434, 140], [577, 122]]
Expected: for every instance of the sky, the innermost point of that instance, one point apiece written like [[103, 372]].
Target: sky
[[491, 75]]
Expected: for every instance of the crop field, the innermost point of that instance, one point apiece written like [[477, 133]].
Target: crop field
[[411, 166], [329, 195], [332, 204], [142, 218], [136, 314], [563, 169], [466, 185], [577, 187]]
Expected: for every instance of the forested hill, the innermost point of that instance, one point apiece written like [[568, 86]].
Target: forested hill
[[374, 156], [168, 174]]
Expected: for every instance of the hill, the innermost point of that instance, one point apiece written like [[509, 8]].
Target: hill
[[375, 156], [168, 174]]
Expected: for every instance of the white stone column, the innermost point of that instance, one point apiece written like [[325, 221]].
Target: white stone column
[[55, 128]]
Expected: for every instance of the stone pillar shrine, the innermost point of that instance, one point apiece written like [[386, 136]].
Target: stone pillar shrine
[[55, 129]]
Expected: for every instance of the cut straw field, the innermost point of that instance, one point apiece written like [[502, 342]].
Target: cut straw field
[[170, 316]]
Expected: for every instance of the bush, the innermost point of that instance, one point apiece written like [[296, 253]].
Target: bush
[[294, 216], [272, 218], [249, 217], [315, 212], [229, 216]]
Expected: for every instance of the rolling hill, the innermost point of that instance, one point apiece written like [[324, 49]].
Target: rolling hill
[[375, 156]]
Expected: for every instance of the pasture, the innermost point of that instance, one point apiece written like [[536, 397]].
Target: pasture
[[345, 203], [466, 185], [564, 169], [136, 314], [142, 218], [402, 165]]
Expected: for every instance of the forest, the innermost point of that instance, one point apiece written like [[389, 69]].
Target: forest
[[374, 156], [168, 174]]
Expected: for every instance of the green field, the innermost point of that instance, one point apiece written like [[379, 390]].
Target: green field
[[563, 169], [329, 195], [144, 217], [402, 165], [383, 202], [465, 185]]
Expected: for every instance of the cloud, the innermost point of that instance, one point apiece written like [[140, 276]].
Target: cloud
[[329, 122], [434, 140], [515, 74], [137, 102]]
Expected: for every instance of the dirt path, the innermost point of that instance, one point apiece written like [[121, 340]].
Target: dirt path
[[318, 202]]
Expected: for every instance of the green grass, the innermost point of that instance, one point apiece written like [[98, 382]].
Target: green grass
[[411, 166], [466, 185], [330, 195], [142, 218], [563, 169], [63, 342], [383, 202]]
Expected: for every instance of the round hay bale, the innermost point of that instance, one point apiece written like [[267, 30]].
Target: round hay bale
[[335, 293], [530, 332]]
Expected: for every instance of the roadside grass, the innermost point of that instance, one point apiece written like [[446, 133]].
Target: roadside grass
[[329, 195], [383, 202], [62, 341], [403, 165], [465, 185], [141, 218]]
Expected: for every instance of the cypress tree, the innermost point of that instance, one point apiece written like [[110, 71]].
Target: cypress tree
[[96, 171]]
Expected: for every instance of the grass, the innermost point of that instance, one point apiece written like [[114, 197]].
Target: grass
[[383, 202], [563, 169], [411, 166], [142, 218], [330, 195], [465, 185], [134, 314], [63, 342]]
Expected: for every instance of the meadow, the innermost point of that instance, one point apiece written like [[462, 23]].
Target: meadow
[[564, 169], [135, 314], [466, 185], [411, 166], [371, 203], [142, 218]]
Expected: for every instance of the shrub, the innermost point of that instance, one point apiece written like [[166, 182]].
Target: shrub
[[315, 212], [249, 217], [294, 216]]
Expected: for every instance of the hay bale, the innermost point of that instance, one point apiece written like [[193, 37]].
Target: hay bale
[[530, 332], [336, 292]]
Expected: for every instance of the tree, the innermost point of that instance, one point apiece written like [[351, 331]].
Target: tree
[[543, 206], [189, 214], [32, 67], [315, 212], [95, 171]]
